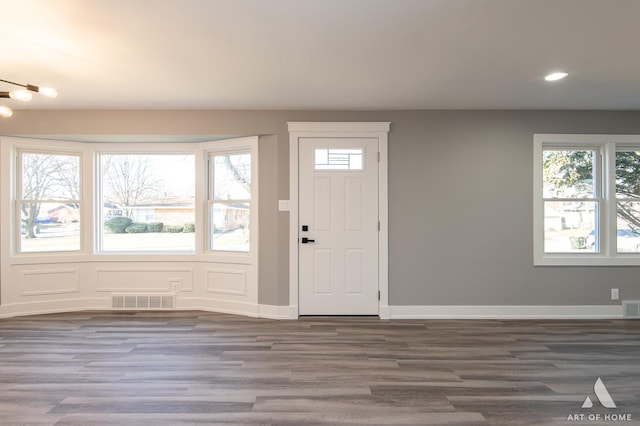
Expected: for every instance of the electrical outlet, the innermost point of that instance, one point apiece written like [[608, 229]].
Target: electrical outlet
[[615, 294], [283, 205], [175, 286]]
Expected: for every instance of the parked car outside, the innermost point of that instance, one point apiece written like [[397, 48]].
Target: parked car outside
[[627, 240], [43, 220]]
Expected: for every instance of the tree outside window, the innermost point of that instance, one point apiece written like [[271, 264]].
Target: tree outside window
[[230, 202], [49, 201], [148, 202], [571, 205]]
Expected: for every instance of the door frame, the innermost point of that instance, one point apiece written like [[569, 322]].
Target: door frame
[[379, 130]]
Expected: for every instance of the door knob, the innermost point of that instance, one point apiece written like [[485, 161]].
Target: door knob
[[306, 240]]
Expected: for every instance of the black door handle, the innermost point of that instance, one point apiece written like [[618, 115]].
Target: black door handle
[[306, 240]]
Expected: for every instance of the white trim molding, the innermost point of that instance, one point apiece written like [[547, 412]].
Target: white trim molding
[[337, 128], [277, 312], [379, 130], [289, 312], [506, 312]]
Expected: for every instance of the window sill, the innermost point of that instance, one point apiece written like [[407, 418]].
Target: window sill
[[164, 257], [587, 260]]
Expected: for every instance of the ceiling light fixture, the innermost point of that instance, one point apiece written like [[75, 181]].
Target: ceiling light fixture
[[555, 76], [5, 111], [23, 95]]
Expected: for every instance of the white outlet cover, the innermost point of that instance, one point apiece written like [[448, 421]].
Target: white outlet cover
[[283, 205]]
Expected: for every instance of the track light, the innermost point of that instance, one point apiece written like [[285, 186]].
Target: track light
[[23, 95]]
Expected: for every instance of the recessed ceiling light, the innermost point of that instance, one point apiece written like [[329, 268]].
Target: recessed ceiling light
[[556, 76]]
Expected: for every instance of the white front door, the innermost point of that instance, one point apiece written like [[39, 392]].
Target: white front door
[[338, 226]]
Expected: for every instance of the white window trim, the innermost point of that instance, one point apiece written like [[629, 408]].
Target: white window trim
[[19, 200], [11, 149], [211, 201], [608, 256], [89, 244], [101, 149], [238, 145]]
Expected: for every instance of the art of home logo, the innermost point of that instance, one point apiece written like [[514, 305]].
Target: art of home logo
[[605, 400]]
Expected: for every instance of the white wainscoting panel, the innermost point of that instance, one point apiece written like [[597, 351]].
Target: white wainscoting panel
[[227, 281], [142, 279], [38, 282]]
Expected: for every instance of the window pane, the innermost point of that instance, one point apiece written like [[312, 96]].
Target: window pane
[[50, 177], [230, 226], [568, 174], [46, 227], [339, 159], [148, 202], [232, 177], [628, 193], [628, 174], [628, 227], [570, 227]]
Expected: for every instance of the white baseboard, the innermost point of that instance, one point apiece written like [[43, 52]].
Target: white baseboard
[[472, 312], [505, 312], [53, 307], [221, 306], [384, 312], [291, 312], [277, 312]]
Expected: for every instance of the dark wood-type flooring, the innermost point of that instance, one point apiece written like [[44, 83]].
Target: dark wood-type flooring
[[172, 368]]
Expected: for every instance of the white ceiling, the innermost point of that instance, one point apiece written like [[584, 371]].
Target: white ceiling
[[323, 54]]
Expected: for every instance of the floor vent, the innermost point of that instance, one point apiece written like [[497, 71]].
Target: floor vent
[[631, 309], [143, 301]]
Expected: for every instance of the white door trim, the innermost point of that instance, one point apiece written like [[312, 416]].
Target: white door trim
[[379, 130]]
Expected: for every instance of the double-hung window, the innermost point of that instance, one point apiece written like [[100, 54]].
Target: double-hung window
[[586, 200], [48, 202], [229, 201]]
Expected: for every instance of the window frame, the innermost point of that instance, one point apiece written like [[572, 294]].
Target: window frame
[[101, 150], [91, 210], [18, 199], [240, 147], [604, 179]]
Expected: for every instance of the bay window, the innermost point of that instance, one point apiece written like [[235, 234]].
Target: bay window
[[132, 199]]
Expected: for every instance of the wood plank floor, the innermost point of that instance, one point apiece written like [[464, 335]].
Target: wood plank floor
[[172, 368]]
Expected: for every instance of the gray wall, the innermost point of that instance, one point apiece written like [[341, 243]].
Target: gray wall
[[441, 163]]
